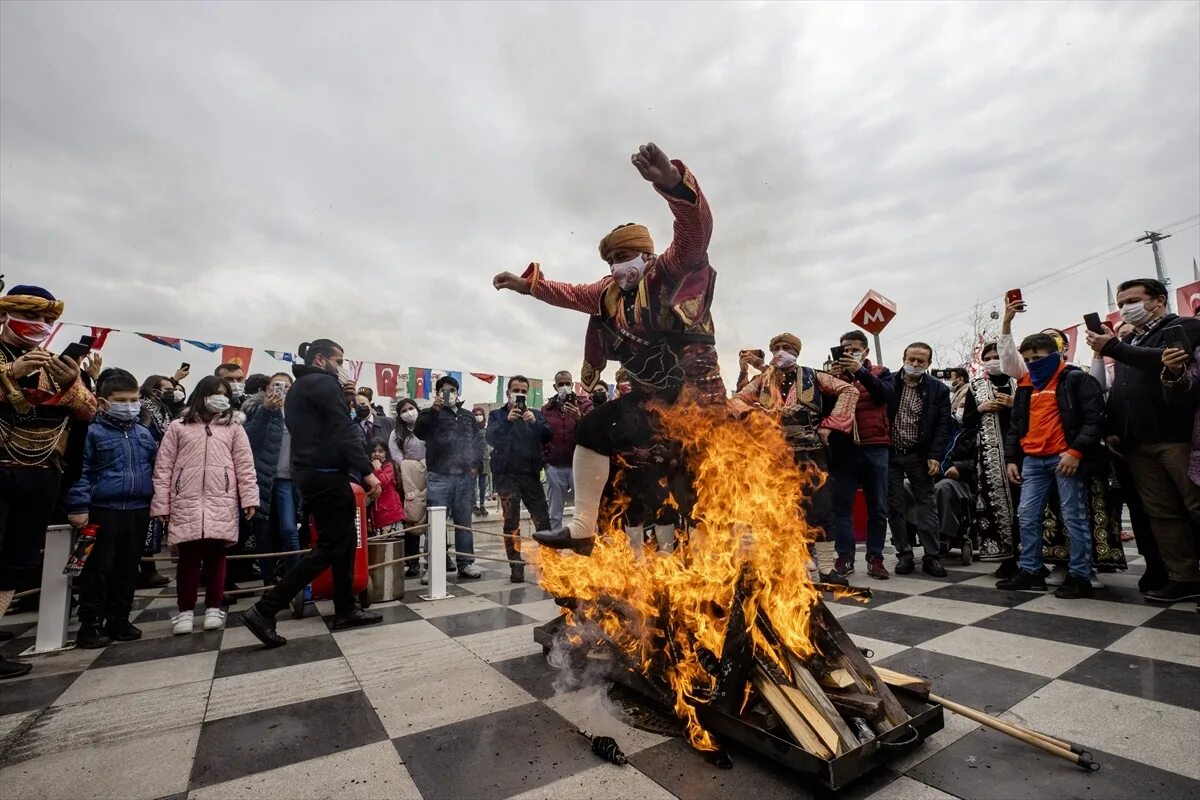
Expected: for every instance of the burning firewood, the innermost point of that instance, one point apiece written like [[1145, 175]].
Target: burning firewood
[[837, 679], [789, 716]]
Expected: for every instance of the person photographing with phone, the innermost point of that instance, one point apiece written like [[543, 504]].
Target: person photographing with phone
[[328, 453], [271, 442], [517, 435], [562, 413], [42, 399]]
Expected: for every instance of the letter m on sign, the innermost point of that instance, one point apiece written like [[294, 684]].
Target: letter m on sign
[[873, 312]]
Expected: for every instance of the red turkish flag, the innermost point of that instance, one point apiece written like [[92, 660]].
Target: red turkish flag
[[1114, 320], [231, 354], [100, 335], [385, 379], [1072, 340], [1187, 300], [873, 312]]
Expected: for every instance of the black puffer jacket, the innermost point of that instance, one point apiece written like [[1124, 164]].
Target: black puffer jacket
[[1137, 411], [453, 440], [1081, 411], [318, 417]]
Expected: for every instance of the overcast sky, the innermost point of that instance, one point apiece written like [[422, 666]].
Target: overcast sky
[[264, 174]]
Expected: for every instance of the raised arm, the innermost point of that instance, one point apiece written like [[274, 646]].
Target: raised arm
[[841, 418], [693, 219]]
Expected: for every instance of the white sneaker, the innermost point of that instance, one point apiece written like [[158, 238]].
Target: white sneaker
[[181, 623], [214, 619], [1057, 577], [469, 571], [425, 579], [1096, 584]]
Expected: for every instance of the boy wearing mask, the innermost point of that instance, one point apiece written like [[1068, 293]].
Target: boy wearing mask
[[113, 492]]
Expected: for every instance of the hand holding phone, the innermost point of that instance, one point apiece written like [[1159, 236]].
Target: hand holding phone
[[1092, 323], [838, 353]]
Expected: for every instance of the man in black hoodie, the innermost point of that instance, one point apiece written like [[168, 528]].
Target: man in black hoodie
[[327, 454], [1153, 435]]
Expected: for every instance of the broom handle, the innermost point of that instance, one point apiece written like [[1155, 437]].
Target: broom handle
[[1021, 734]]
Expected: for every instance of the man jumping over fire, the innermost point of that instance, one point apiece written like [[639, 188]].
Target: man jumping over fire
[[653, 315]]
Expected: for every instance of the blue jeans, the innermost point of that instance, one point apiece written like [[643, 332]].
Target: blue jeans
[[456, 493], [560, 481], [850, 467], [483, 493], [278, 533], [1038, 475]]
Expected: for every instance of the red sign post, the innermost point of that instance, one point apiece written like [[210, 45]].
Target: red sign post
[[872, 314]]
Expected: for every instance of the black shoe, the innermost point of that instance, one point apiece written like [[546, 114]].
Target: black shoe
[[1074, 588], [1152, 582], [833, 579], [122, 631], [152, 579], [356, 619], [932, 566], [561, 540], [518, 573], [1174, 592], [262, 626], [1024, 582], [904, 564], [7, 636], [13, 669], [412, 572], [1007, 569], [91, 637]]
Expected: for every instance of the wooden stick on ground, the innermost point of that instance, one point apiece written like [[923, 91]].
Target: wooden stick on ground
[[789, 716]]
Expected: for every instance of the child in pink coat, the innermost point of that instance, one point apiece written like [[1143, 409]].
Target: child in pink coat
[[203, 477], [388, 511]]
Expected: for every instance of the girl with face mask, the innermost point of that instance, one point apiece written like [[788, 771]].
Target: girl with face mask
[[204, 480], [408, 454]]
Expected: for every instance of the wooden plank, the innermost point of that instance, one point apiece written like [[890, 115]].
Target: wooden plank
[[837, 679], [814, 718], [812, 690], [853, 659], [737, 653], [789, 716], [898, 680], [857, 704]]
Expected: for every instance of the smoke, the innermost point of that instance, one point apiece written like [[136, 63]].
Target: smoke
[[569, 658]]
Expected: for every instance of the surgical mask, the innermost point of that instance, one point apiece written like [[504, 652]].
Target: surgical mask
[[1135, 313], [628, 273], [516, 397], [563, 391], [859, 357], [479, 419], [362, 412], [124, 412], [343, 374], [783, 360], [409, 416], [217, 403], [237, 388], [31, 332], [178, 395], [913, 372], [993, 367]]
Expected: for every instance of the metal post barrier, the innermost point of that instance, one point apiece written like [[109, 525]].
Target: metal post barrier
[[54, 607], [437, 535]]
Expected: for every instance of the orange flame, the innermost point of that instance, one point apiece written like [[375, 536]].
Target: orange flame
[[747, 512]]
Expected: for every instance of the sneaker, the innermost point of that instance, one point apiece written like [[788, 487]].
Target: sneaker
[[877, 570], [1057, 576], [933, 568], [1152, 582], [122, 631], [1095, 581], [1074, 588], [412, 572], [833, 579], [843, 567], [425, 579], [356, 619], [904, 564], [516, 573], [181, 623], [262, 626], [214, 619], [13, 669], [91, 637], [1174, 592], [1023, 582], [469, 571], [1007, 568]]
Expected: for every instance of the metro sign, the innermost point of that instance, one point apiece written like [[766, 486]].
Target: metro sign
[[1187, 300], [873, 312]]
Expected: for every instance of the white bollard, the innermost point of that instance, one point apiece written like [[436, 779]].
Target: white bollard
[[436, 536], [54, 602]]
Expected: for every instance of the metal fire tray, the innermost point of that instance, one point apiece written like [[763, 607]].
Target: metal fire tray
[[925, 719]]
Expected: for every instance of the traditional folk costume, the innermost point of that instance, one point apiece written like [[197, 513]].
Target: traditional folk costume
[[36, 418], [661, 331]]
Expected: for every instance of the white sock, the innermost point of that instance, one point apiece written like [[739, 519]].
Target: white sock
[[591, 474], [6, 597], [664, 535], [825, 554], [637, 540]]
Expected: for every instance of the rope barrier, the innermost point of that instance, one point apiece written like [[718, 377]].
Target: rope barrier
[[26, 593], [489, 558]]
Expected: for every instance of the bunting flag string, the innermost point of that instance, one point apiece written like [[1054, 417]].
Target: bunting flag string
[[386, 376], [355, 368], [232, 354], [99, 336], [280, 355], [210, 347], [165, 341], [486, 377]]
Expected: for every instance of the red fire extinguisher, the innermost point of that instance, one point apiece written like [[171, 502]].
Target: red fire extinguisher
[[322, 585]]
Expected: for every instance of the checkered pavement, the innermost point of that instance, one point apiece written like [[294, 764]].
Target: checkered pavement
[[452, 699]]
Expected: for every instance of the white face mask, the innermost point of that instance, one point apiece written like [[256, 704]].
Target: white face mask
[[783, 360], [125, 412], [859, 357], [409, 416], [912, 371], [993, 367], [628, 273], [343, 374], [177, 395], [563, 391], [1135, 313], [217, 403], [452, 399], [237, 388]]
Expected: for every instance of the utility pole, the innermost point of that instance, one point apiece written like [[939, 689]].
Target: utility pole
[[1154, 238]]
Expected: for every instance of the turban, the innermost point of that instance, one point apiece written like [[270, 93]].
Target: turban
[[627, 237], [31, 300], [788, 339]]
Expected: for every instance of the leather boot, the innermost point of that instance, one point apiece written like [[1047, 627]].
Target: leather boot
[[512, 549]]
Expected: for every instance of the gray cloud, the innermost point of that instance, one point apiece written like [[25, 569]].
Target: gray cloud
[[259, 174]]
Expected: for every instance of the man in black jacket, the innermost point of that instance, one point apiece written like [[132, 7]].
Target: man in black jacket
[[454, 458], [920, 428], [1054, 439], [1153, 435], [327, 454], [517, 434]]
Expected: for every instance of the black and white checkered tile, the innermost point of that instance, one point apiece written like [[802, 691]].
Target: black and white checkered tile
[[453, 699]]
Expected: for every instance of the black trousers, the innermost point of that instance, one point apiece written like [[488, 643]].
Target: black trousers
[[915, 468], [328, 497], [28, 496], [110, 574], [818, 506], [515, 490]]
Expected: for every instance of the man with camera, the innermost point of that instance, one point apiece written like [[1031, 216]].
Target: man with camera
[[517, 435], [562, 413], [454, 457]]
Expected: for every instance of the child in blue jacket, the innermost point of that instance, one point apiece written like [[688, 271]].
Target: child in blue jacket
[[113, 493]]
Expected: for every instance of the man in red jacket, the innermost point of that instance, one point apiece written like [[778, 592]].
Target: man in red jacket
[[562, 413], [864, 463]]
